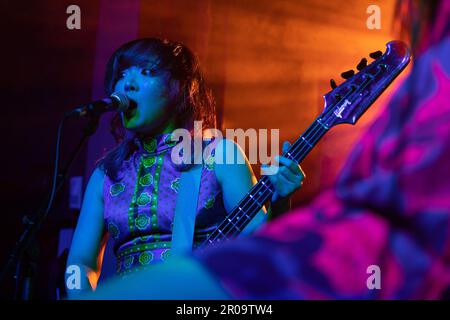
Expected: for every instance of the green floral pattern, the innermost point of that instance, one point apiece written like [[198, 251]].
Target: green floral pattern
[[150, 146], [146, 180], [142, 221], [165, 254], [175, 184], [145, 257], [209, 163], [208, 204], [169, 141], [113, 230], [149, 161], [116, 189], [144, 198]]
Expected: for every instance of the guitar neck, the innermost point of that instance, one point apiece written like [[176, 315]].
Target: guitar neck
[[344, 104], [249, 206]]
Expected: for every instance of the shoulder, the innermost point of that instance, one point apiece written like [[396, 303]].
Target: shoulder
[[95, 184], [227, 152], [98, 175], [230, 161]]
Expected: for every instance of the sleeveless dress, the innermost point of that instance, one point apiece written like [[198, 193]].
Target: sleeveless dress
[[139, 208]]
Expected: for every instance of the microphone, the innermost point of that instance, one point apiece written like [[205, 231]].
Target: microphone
[[116, 102]]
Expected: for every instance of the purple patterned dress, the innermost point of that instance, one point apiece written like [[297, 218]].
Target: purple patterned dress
[[139, 208]]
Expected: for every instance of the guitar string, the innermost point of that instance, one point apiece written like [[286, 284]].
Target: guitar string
[[314, 132], [310, 136], [262, 194], [266, 190]]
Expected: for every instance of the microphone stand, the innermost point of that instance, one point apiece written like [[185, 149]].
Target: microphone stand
[[25, 253]]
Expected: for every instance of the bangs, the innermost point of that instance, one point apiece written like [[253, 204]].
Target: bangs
[[140, 58], [135, 53]]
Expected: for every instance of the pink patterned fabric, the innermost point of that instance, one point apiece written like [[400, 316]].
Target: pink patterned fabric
[[389, 208]]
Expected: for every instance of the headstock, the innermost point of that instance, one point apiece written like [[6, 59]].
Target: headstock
[[348, 101]]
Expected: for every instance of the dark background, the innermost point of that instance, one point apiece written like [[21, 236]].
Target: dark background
[[47, 70]]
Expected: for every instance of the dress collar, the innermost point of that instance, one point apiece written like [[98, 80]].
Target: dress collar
[[156, 144]]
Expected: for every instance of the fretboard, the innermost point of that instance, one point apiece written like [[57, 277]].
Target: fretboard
[[238, 218]]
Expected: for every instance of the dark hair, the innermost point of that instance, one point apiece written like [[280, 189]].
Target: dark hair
[[195, 103]]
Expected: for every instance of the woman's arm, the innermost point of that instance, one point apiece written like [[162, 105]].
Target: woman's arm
[[236, 179], [89, 240]]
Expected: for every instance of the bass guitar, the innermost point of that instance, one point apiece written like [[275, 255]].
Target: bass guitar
[[345, 103]]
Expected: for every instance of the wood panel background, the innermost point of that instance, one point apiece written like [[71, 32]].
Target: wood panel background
[[269, 64]]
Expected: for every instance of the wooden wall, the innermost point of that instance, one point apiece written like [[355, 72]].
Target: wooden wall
[[269, 63]]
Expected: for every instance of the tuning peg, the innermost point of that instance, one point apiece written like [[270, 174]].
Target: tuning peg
[[333, 84], [375, 55], [347, 74], [362, 64]]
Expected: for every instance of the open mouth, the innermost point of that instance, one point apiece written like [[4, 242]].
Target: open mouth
[[131, 110]]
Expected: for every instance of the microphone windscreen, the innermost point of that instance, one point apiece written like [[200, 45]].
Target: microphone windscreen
[[121, 101]]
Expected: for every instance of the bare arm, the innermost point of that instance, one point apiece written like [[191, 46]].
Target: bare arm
[[89, 240], [236, 180]]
